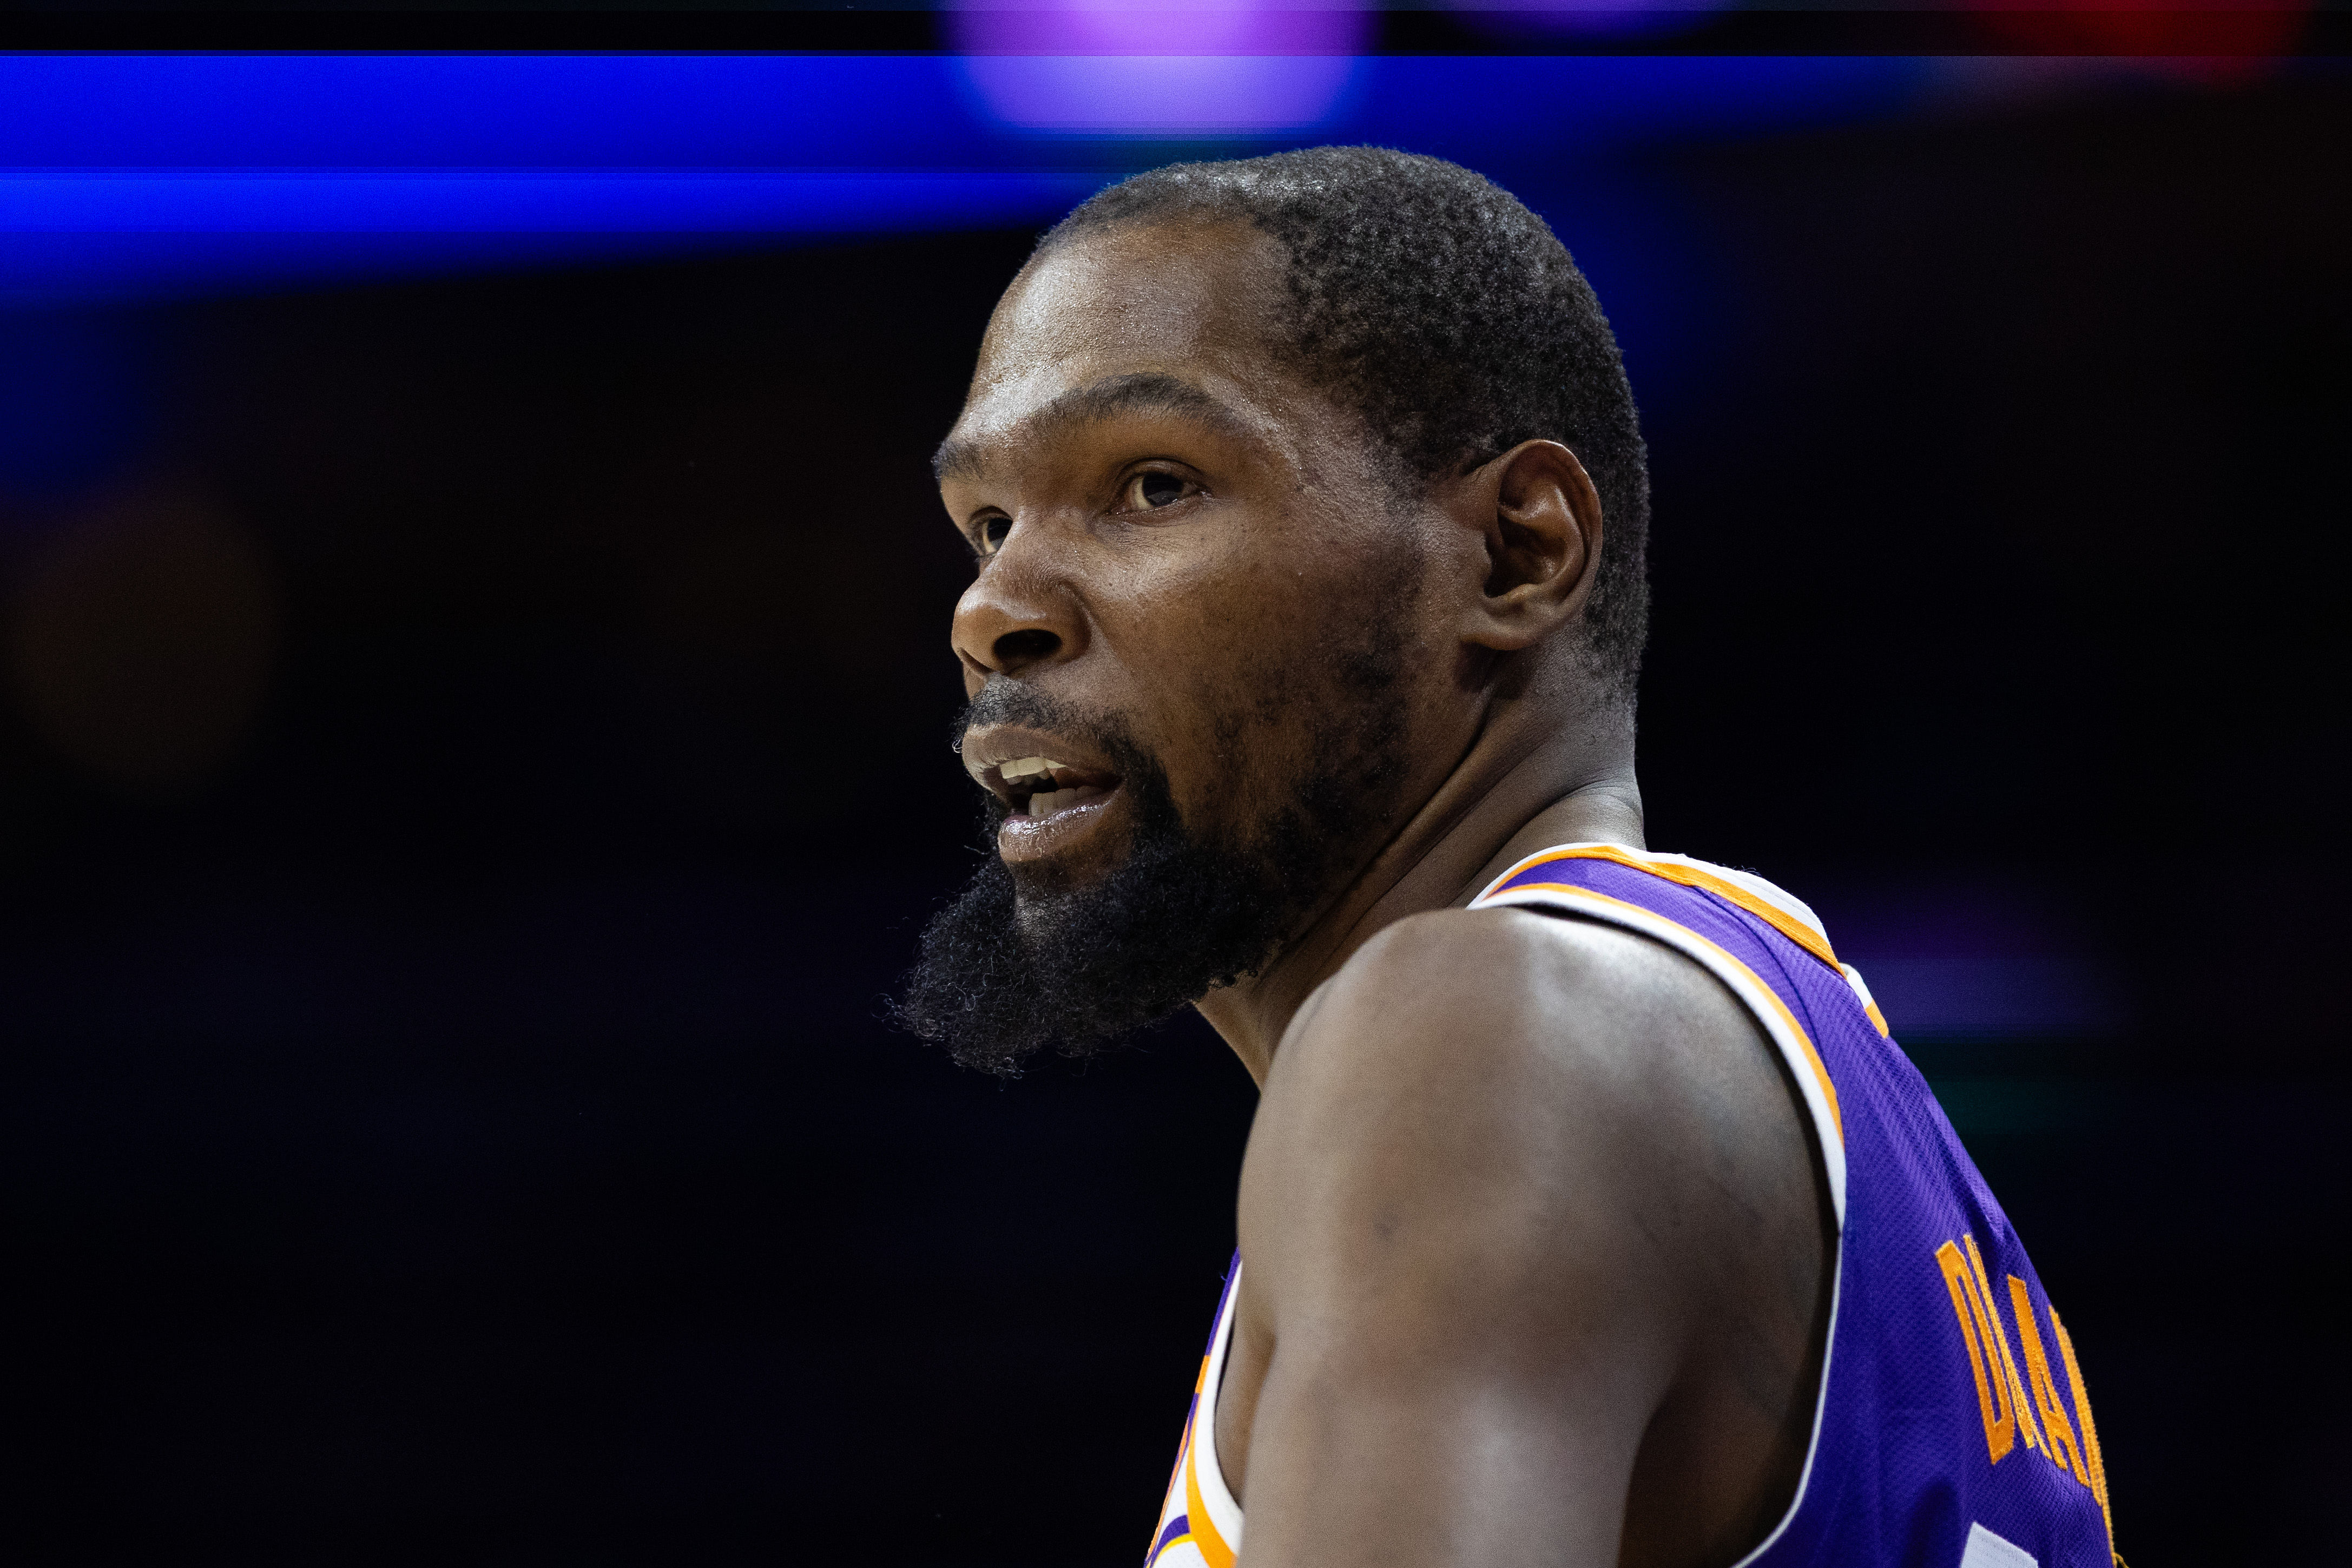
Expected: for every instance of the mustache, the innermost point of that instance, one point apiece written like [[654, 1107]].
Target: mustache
[[1003, 702]]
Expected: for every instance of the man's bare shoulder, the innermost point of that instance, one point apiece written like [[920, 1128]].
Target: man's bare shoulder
[[1473, 1009], [1532, 1189], [1508, 967], [1504, 1091]]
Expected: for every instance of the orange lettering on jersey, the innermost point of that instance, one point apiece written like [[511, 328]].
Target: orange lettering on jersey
[[2001, 1433], [2025, 1426], [2045, 1389], [2090, 1430]]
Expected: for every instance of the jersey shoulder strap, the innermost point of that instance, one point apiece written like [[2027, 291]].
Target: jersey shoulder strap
[[1765, 945]]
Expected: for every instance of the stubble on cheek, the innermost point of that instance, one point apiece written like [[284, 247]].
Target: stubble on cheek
[[1307, 730], [1245, 745]]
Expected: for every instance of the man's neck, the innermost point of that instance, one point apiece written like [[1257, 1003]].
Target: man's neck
[[1486, 815]]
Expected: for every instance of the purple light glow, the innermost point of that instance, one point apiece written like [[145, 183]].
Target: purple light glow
[[1597, 18], [1160, 95], [1978, 960], [1208, 67], [1192, 27]]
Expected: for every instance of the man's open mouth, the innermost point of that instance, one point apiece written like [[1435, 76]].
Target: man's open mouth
[[1041, 788], [1056, 789]]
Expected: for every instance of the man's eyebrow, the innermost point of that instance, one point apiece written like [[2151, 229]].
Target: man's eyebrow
[[1140, 392]]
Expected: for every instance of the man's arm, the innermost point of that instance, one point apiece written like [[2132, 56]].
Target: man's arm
[[1516, 1215]]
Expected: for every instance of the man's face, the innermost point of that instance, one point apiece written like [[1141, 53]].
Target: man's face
[[1195, 644]]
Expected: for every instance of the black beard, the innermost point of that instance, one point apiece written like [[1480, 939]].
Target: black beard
[[1002, 975]]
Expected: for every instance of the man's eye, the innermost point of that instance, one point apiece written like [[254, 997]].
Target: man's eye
[[1148, 492], [991, 533]]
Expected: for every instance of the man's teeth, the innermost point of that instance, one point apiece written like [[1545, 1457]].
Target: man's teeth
[[1036, 775], [1028, 768]]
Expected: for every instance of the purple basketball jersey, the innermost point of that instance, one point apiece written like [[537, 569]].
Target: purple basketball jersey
[[1952, 1430], [1953, 1427]]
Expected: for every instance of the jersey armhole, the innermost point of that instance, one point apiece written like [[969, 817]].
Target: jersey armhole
[[1804, 1066]]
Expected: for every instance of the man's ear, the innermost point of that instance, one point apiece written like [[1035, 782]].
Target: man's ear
[[1541, 521]]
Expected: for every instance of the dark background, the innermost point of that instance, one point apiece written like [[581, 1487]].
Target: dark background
[[474, 757]]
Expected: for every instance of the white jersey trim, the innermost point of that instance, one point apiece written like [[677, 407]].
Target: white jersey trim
[[1224, 1513], [1772, 893], [1986, 1550], [1762, 1002]]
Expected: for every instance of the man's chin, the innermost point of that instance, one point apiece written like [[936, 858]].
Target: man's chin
[[1035, 915], [1055, 907], [1040, 887], [1033, 955], [1119, 928]]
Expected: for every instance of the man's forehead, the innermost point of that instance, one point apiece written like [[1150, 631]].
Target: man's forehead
[[1154, 320], [1013, 422], [1154, 289]]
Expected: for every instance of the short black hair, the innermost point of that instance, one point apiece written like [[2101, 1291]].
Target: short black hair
[[1434, 303]]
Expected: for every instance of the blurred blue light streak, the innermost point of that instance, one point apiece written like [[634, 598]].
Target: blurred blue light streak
[[583, 112], [131, 176], [88, 235], [373, 201]]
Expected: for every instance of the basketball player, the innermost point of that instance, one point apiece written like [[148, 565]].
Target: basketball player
[[1589, 1216]]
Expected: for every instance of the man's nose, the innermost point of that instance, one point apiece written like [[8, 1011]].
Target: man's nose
[[1018, 614]]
